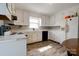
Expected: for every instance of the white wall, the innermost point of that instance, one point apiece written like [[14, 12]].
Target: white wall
[[58, 19]]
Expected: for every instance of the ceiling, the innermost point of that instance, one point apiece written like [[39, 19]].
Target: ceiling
[[45, 8]]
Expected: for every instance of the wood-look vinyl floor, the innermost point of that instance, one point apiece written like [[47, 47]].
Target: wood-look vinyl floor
[[46, 48]]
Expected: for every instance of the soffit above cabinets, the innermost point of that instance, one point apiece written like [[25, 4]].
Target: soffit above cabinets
[[45, 8]]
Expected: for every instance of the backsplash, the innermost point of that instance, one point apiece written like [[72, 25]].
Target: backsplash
[[24, 29], [19, 28]]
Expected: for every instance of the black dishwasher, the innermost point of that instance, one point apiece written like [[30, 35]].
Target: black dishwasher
[[44, 35]]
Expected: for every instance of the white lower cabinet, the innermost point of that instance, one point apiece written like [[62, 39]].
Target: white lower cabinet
[[34, 36], [39, 37], [57, 35], [30, 35]]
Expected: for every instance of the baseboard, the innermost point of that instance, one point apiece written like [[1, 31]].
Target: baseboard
[[54, 41], [33, 43], [42, 41]]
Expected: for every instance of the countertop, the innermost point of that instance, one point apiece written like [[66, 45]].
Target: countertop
[[13, 37]]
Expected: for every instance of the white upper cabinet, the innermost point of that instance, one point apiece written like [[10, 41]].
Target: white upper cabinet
[[2, 8], [26, 18], [13, 9], [22, 18], [52, 20], [7, 9], [19, 14], [45, 21]]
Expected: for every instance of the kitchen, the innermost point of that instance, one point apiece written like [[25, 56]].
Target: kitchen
[[27, 24]]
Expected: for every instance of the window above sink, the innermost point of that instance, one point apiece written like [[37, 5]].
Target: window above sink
[[34, 22]]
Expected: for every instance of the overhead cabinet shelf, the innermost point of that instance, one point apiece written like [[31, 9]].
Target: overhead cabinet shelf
[[50, 27], [6, 11]]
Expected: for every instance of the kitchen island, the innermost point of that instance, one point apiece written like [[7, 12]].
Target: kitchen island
[[13, 45]]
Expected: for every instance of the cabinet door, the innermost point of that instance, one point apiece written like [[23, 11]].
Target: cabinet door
[[52, 20], [13, 8], [34, 37], [19, 15], [29, 37], [39, 36], [45, 21], [8, 48], [2, 8], [8, 10], [26, 18], [5, 9], [23, 18], [21, 47]]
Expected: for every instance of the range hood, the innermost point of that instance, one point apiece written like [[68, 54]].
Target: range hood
[[3, 17]]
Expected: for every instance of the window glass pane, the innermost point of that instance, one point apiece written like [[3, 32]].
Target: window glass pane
[[34, 22]]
